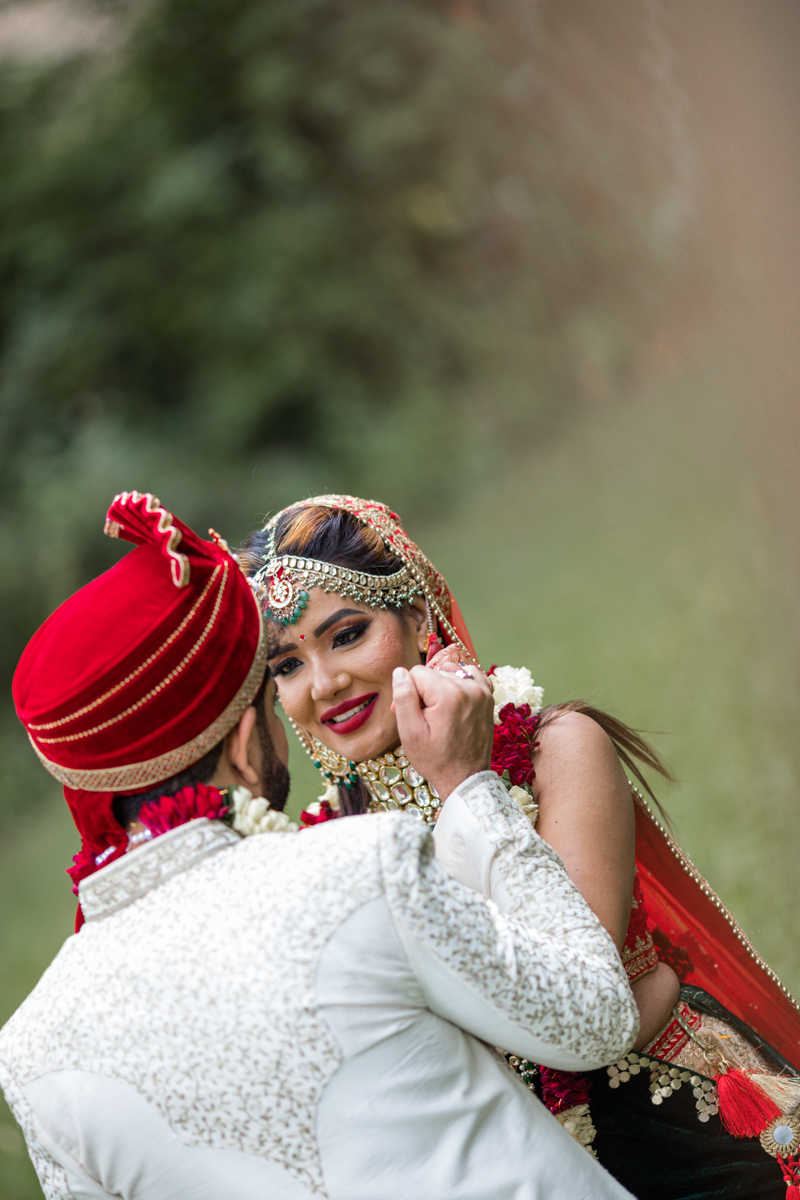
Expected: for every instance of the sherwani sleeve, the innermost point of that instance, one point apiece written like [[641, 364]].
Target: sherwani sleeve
[[541, 978]]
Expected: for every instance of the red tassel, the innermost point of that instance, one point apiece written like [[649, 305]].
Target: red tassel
[[790, 1168], [744, 1108]]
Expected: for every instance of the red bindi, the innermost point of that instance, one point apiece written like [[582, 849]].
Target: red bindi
[[302, 637]]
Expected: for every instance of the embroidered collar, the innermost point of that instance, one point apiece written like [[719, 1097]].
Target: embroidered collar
[[132, 876]]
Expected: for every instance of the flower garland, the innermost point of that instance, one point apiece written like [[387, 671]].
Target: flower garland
[[92, 856], [245, 813], [196, 800], [514, 685], [325, 808], [238, 807], [577, 1121], [517, 703], [252, 814]]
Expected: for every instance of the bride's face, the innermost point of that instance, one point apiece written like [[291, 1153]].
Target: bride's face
[[334, 670]]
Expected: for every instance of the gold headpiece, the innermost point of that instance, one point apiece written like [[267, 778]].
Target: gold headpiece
[[280, 584], [282, 579]]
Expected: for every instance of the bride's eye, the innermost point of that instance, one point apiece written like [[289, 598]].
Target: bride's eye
[[345, 636], [286, 667]]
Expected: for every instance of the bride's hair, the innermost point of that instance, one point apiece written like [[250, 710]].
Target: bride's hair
[[327, 534], [336, 536], [629, 744]]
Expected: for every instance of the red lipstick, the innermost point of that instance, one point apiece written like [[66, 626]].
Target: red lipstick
[[358, 718]]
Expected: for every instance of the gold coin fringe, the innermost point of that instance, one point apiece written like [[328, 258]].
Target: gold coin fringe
[[664, 1080]]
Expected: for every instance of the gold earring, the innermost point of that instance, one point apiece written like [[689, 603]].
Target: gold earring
[[334, 767]]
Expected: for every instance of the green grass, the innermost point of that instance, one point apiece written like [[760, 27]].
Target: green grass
[[38, 911], [649, 562]]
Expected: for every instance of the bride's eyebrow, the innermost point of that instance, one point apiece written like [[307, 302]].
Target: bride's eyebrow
[[284, 647], [337, 616]]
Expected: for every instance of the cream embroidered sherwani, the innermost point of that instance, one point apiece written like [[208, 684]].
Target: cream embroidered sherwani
[[297, 1015]]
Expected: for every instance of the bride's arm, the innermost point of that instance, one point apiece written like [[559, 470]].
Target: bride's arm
[[586, 814]]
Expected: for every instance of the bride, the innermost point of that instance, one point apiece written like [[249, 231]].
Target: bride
[[703, 1104]]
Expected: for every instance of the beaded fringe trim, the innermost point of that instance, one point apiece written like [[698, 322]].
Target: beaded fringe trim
[[279, 586]]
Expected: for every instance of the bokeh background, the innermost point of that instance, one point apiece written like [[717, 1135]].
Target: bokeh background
[[528, 271]]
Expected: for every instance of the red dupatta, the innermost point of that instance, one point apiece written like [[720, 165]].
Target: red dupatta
[[697, 935]]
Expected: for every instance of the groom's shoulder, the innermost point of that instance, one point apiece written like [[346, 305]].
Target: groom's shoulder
[[369, 833], [345, 836], [367, 842]]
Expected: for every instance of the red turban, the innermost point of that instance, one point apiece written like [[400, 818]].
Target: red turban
[[141, 672]]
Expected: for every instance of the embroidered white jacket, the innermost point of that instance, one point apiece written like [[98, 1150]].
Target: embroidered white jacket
[[298, 1015]]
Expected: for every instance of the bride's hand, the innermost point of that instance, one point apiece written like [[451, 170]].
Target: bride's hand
[[451, 660]]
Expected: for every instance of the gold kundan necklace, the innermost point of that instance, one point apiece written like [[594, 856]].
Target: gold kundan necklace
[[393, 783], [390, 779]]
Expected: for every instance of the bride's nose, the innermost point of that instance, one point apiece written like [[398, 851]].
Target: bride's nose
[[327, 681]]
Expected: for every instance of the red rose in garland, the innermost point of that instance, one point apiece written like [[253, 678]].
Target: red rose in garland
[[513, 746]]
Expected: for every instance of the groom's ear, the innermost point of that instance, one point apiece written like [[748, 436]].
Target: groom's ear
[[238, 748]]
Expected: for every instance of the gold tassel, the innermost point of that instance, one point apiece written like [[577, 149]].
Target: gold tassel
[[783, 1089]]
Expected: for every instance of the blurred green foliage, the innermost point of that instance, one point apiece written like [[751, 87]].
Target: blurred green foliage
[[253, 250]]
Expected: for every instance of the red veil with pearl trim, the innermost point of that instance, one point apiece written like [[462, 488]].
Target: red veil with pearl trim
[[697, 935]]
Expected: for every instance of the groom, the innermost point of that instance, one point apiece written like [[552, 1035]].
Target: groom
[[286, 1015]]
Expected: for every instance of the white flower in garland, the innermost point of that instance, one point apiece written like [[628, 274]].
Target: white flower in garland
[[525, 800], [330, 796], [578, 1123], [252, 814], [514, 685]]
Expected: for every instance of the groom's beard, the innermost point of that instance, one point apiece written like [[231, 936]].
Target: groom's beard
[[274, 773]]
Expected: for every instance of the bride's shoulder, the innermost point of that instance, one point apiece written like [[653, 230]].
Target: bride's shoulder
[[576, 758], [568, 731]]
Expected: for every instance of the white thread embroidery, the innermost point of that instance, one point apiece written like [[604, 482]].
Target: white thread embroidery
[[577, 1008], [132, 876], [178, 994], [52, 1177]]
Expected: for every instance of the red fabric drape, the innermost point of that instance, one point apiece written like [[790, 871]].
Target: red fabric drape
[[697, 935], [460, 626]]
